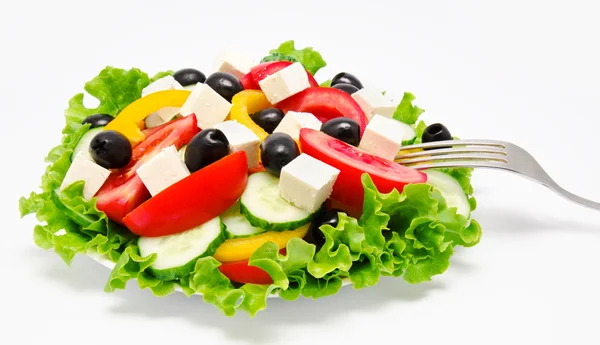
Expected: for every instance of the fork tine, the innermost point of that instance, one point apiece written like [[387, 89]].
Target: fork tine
[[461, 164], [437, 152], [454, 157], [450, 143]]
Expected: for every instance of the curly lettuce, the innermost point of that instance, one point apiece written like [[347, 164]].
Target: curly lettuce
[[308, 57]]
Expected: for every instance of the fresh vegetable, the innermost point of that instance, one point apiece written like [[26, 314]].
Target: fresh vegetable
[[124, 191], [324, 217], [83, 145], [189, 76], [205, 148], [407, 134], [268, 118], [176, 255], [277, 150], [352, 163], [263, 206], [347, 88], [110, 149], [346, 78], [242, 248], [263, 70], [436, 132], [344, 129], [129, 120], [308, 57], [97, 120], [406, 112], [225, 84], [451, 191], [192, 201], [326, 103], [241, 272], [249, 102], [236, 225]]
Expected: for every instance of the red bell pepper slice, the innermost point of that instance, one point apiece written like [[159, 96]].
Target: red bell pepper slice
[[192, 201]]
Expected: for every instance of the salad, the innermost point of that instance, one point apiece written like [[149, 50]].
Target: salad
[[252, 181]]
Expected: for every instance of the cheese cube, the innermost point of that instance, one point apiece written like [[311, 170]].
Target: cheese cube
[[241, 138], [162, 84], [163, 170], [285, 83], [234, 62], [210, 107], [293, 121], [382, 137], [161, 116], [306, 182], [84, 168], [373, 102]]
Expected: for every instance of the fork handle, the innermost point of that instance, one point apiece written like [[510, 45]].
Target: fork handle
[[572, 197]]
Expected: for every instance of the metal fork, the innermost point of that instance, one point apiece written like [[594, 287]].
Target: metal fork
[[483, 154]]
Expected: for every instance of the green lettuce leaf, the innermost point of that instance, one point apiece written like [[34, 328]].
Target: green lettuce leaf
[[326, 83], [308, 57], [406, 111]]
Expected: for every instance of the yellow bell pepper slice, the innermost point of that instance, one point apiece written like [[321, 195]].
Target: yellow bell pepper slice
[[130, 121], [238, 249], [249, 102]]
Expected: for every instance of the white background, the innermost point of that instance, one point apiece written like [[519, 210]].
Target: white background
[[522, 71]]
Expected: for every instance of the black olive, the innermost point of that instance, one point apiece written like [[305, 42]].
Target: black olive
[[268, 119], [344, 129], [276, 151], [98, 120], [111, 149], [436, 132], [189, 76], [346, 78], [205, 148], [347, 88], [322, 217], [225, 84]]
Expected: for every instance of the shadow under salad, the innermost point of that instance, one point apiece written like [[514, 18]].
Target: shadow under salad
[[263, 328]]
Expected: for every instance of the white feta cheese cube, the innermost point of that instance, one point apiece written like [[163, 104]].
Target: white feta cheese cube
[[285, 83], [163, 170], [162, 84], [241, 138], [210, 108], [234, 62], [382, 137], [306, 182], [373, 102], [161, 116], [293, 121], [84, 168]]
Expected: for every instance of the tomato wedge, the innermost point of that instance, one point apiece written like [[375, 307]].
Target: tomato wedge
[[124, 190], [265, 69], [326, 103], [241, 272], [192, 201], [352, 163]]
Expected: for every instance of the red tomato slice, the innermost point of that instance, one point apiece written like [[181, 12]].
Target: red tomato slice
[[248, 82], [123, 190], [265, 69], [192, 201], [326, 103], [241, 272], [352, 163]]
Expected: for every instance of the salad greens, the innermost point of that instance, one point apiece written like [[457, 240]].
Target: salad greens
[[308, 57], [411, 234]]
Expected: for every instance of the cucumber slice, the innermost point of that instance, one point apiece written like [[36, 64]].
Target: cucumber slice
[[237, 225], [451, 191], [264, 207], [408, 134], [84, 143], [176, 255]]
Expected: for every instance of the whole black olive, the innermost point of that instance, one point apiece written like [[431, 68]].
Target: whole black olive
[[205, 148]]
